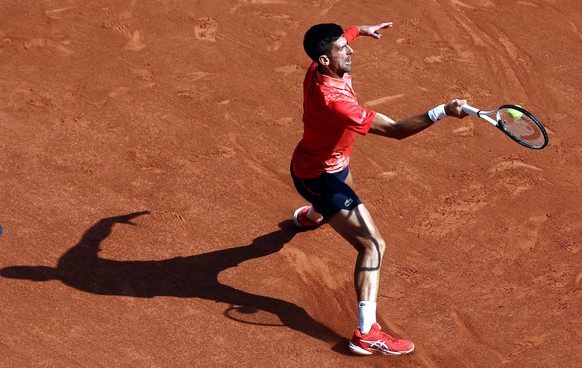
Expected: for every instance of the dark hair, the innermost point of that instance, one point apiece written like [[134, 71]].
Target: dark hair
[[318, 39]]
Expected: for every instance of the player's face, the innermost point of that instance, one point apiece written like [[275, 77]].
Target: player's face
[[340, 61]]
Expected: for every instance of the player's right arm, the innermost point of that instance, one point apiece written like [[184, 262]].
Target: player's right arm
[[385, 126]]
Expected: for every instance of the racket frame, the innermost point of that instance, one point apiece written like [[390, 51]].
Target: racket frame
[[497, 122]]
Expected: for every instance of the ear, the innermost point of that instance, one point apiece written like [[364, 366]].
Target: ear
[[323, 60]]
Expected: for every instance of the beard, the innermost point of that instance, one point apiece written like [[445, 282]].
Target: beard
[[347, 67]]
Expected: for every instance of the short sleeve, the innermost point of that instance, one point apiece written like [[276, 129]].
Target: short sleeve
[[353, 116]]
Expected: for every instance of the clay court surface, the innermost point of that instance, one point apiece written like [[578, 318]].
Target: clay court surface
[[146, 199]]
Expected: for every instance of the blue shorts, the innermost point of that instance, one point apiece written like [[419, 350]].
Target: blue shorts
[[328, 193]]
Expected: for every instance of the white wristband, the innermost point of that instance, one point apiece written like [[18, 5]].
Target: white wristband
[[437, 113]]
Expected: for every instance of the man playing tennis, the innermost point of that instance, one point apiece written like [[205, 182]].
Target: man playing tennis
[[319, 166]]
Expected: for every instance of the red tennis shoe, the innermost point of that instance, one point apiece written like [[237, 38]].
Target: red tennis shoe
[[300, 218], [379, 343]]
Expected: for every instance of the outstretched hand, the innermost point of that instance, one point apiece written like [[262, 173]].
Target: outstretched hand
[[372, 31], [454, 108]]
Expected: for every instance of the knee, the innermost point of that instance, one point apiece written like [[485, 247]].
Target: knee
[[375, 244], [381, 245]]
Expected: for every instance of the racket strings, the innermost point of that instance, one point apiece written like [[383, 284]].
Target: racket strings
[[523, 129]]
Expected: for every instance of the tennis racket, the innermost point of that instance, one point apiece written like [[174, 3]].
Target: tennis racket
[[515, 121]]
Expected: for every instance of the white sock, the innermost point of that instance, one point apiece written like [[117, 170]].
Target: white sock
[[366, 316], [311, 213]]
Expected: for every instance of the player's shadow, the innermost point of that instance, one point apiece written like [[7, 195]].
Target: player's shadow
[[185, 277]]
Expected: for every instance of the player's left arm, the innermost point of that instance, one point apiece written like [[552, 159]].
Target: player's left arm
[[384, 126], [372, 31]]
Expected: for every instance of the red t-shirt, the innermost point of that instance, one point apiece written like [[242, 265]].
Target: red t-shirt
[[331, 119]]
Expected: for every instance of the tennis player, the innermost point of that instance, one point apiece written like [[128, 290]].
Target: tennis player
[[319, 167]]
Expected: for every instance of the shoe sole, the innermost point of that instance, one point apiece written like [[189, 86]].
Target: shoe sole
[[361, 351]]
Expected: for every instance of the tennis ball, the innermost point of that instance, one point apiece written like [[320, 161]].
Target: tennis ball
[[516, 114]]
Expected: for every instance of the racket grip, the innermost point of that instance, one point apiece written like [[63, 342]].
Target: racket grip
[[471, 110]]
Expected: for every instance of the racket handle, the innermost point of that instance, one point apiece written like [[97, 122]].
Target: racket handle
[[471, 110]]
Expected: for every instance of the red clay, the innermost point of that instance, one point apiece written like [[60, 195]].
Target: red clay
[[190, 111]]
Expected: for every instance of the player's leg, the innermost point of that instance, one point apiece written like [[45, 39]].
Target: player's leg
[[358, 228]]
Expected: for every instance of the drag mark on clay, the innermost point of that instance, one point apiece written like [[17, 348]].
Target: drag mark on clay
[[512, 177], [462, 4], [121, 91], [279, 18], [313, 269], [575, 30], [57, 47], [509, 62], [465, 131], [383, 100], [54, 19], [466, 329], [535, 341], [512, 164], [284, 122], [287, 69], [479, 4], [254, 162], [57, 13], [186, 83], [196, 76], [424, 357]]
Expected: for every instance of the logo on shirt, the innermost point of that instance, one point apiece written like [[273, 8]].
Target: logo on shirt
[[348, 202]]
